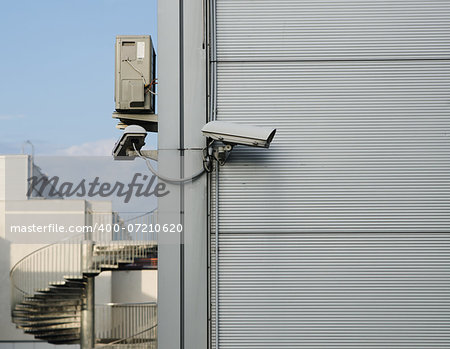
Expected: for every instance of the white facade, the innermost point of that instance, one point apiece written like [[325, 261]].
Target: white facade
[[16, 209]]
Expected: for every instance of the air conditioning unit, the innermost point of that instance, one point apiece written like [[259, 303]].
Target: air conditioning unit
[[135, 74]]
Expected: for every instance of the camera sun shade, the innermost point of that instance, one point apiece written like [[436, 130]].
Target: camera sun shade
[[133, 136]]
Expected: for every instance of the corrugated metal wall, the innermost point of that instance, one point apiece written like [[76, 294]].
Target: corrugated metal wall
[[341, 290], [250, 30], [359, 147], [360, 94]]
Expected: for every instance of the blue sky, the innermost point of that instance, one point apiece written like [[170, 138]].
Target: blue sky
[[57, 72]]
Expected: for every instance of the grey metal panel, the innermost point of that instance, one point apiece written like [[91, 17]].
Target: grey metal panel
[[330, 238], [334, 291], [332, 29], [359, 147]]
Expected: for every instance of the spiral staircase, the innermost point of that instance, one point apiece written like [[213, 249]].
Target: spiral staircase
[[53, 289]]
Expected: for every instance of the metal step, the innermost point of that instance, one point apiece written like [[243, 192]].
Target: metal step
[[51, 303], [109, 266], [46, 329], [61, 333], [53, 297], [73, 278], [68, 283], [39, 323], [42, 316]]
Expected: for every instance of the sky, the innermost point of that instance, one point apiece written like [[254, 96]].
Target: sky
[[57, 72]]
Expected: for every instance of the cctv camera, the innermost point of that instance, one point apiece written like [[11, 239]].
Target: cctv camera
[[230, 133], [133, 137]]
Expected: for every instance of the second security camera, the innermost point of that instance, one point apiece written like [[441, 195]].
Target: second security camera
[[233, 134], [132, 137]]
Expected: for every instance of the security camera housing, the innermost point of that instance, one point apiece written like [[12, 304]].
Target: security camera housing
[[231, 133], [133, 134]]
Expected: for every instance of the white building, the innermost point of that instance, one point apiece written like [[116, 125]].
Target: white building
[[22, 211]]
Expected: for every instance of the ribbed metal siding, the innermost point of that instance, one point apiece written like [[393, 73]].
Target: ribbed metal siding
[[331, 238], [334, 291], [359, 147], [332, 29]]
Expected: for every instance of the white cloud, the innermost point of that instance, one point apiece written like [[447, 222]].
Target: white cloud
[[102, 147], [11, 116]]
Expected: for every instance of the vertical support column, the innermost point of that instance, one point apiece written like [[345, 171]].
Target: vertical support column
[[87, 336], [169, 293], [182, 112]]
